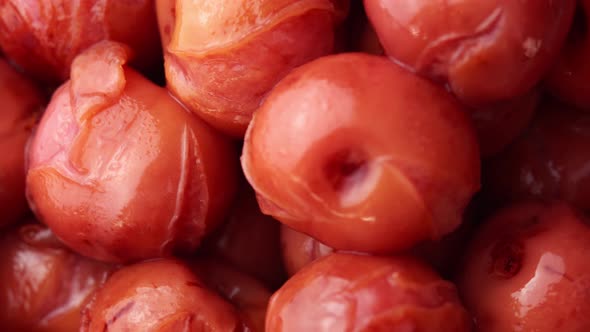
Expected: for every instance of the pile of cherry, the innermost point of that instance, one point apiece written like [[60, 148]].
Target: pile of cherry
[[295, 165]]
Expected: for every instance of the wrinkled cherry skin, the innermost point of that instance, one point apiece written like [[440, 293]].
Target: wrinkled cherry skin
[[346, 292], [222, 66], [250, 240], [44, 36], [249, 295], [527, 270], [362, 155], [484, 51], [300, 249], [44, 285], [499, 124], [550, 161], [21, 105], [160, 296], [120, 171], [568, 80]]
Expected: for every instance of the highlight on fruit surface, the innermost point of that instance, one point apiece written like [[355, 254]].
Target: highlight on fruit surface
[[484, 51], [362, 155], [44, 36], [45, 286], [167, 296], [300, 250], [347, 292], [526, 269], [223, 64], [548, 161], [120, 171]]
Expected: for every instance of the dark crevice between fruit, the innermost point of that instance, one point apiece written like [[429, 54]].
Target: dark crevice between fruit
[[579, 29]]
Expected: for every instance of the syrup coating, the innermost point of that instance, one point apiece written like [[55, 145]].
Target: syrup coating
[[44, 36], [120, 171], [223, 64], [45, 286], [484, 51], [346, 292], [526, 270], [362, 155]]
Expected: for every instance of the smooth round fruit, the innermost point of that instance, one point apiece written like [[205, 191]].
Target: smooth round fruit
[[483, 50], [44, 286], [159, 296], [345, 292], [362, 155], [527, 270]]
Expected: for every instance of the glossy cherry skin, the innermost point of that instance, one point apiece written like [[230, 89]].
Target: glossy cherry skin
[[527, 270], [22, 103], [45, 286], [120, 171], [161, 296], [550, 161], [346, 292], [248, 294], [300, 249], [484, 51], [357, 152], [250, 240], [568, 80], [223, 65], [44, 36]]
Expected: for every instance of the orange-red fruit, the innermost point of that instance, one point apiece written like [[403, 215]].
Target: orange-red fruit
[[569, 80], [362, 155], [483, 50], [21, 105], [223, 57], [345, 292], [44, 36], [120, 171], [550, 161], [527, 270], [159, 296], [45, 286]]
